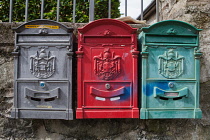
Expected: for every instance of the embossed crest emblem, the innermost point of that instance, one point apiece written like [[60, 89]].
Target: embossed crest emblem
[[42, 64], [107, 65], [170, 64]]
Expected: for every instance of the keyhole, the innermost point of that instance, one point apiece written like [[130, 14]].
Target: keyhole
[[171, 84], [42, 84], [107, 86]]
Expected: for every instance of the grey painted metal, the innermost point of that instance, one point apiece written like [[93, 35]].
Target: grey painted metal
[[157, 11], [74, 10], [58, 10], [42, 8], [10, 10], [126, 7], [26, 11], [43, 71], [109, 10], [142, 12], [91, 10]]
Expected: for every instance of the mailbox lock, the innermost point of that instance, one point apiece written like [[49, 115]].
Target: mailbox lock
[[107, 86], [171, 84], [42, 84]]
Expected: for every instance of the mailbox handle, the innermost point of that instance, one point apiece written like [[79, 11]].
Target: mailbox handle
[[178, 94], [45, 95], [107, 93]]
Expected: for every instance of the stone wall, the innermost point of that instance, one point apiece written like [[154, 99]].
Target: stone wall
[[197, 13], [193, 12]]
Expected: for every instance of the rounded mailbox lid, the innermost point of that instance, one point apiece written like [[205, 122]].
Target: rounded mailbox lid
[[43, 32], [105, 31], [170, 32], [117, 28], [171, 27], [34, 26]]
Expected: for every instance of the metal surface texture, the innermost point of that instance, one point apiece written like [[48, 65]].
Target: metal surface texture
[[157, 11], [126, 8], [109, 9], [91, 10], [107, 70], [42, 9], [142, 10], [43, 71], [26, 11], [58, 10], [170, 71], [10, 10], [74, 10]]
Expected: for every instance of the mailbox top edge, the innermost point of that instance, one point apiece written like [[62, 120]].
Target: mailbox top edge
[[41, 22], [170, 24], [106, 21]]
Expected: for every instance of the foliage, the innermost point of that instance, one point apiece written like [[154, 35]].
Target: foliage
[[50, 9]]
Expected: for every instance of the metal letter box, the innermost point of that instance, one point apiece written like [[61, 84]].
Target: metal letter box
[[43, 71], [170, 71], [107, 70]]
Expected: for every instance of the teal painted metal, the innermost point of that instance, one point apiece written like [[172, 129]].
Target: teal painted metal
[[170, 70]]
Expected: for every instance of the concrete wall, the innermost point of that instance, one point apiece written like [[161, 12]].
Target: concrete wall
[[193, 12]]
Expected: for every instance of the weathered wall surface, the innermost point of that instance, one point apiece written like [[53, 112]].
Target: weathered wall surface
[[196, 13]]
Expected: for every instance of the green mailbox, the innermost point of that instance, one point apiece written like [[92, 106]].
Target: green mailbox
[[170, 70]]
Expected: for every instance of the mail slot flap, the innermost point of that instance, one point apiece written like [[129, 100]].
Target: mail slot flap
[[172, 39], [58, 38], [32, 95], [108, 94], [170, 94], [107, 39]]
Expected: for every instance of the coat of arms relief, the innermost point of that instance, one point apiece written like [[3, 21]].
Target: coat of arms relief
[[42, 64], [171, 64], [107, 65]]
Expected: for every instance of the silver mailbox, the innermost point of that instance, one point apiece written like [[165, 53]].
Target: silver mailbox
[[43, 71]]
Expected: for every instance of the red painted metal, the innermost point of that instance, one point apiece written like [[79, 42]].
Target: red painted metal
[[107, 70]]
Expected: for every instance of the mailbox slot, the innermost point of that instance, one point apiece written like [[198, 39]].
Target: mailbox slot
[[106, 39], [50, 38], [165, 39]]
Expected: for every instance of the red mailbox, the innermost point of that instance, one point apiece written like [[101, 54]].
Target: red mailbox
[[107, 70]]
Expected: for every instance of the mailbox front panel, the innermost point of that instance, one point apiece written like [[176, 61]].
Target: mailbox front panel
[[43, 65], [109, 73], [107, 70], [171, 62], [170, 71], [43, 62]]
